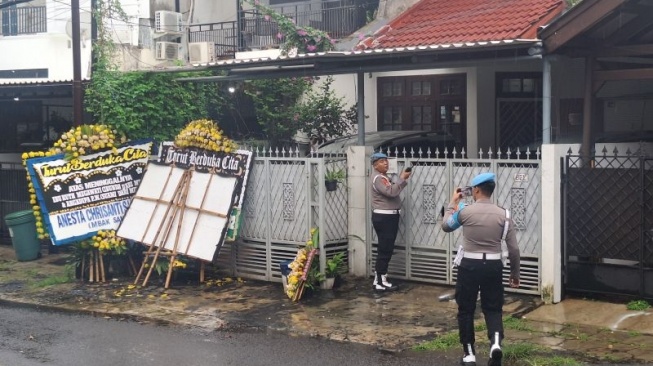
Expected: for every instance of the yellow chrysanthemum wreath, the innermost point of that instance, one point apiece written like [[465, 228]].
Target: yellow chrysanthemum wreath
[[106, 242], [78, 141], [204, 134], [298, 265]]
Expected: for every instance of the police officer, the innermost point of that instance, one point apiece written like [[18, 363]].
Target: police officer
[[386, 207], [480, 263]]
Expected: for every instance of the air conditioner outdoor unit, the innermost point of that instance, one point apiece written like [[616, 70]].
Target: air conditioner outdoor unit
[[167, 51], [167, 22], [201, 52]]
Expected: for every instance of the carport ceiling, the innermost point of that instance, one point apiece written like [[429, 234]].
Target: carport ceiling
[[619, 33]]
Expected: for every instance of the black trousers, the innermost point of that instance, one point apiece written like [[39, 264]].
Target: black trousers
[[386, 227], [483, 275]]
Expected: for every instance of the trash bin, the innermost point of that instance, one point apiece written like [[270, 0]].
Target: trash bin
[[22, 229]]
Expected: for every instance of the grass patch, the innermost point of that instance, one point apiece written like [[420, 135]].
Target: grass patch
[[444, 342], [480, 327], [553, 361], [520, 351], [31, 272], [5, 266], [516, 324], [68, 276], [638, 305], [634, 333]]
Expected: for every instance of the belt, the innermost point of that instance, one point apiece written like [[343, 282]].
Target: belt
[[485, 256], [387, 212]]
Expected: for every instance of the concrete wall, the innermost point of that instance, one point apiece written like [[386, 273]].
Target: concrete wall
[[51, 50], [551, 260], [481, 97], [390, 9]]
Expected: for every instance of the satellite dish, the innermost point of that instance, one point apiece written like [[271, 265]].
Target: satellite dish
[[84, 26]]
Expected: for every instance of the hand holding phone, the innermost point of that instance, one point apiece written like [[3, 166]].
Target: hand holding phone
[[466, 191]]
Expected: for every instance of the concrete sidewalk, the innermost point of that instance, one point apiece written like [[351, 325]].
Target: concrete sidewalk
[[393, 321]]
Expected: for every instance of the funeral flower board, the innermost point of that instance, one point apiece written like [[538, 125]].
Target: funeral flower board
[[79, 197], [235, 164]]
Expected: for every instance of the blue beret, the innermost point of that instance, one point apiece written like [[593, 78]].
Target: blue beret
[[377, 156], [482, 178]]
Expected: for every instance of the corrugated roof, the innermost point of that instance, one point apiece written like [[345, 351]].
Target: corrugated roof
[[363, 53], [446, 22], [10, 82]]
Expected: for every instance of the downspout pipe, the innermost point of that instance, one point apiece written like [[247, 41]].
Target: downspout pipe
[[360, 88], [546, 100]]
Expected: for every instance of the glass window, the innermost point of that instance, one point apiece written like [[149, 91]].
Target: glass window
[[421, 88], [529, 85], [451, 87], [512, 85]]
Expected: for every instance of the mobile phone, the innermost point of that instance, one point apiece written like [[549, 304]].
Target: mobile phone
[[466, 191]]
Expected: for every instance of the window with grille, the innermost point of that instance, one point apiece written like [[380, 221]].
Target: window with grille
[[423, 103]]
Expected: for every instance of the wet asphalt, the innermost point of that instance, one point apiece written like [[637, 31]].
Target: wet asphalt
[[390, 323]]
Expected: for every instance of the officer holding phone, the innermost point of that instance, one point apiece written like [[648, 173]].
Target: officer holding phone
[[479, 261], [386, 208]]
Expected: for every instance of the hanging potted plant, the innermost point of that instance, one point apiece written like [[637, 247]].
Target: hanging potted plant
[[332, 178], [334, 267]]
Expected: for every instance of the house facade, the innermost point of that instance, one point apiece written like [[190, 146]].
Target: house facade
[[36, 80]]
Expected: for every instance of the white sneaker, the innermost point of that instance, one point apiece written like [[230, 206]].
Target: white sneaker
[[376, 286], [379, 287], [384, 281], [496, 354], [469, 360]]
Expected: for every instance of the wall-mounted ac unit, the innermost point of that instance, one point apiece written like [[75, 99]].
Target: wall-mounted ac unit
[[167, 51], [167, 22], [201, 52]]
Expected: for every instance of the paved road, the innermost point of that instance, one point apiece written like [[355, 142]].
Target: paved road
[[30, 337]]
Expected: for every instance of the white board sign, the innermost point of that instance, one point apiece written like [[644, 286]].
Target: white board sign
[[197, 227]]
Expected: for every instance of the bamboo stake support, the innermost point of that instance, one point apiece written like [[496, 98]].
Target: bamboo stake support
[[90, 266], [96, 265], [202, 267], [132, 266], [173, 200], [81, 273], [103, 274], [182, 207]]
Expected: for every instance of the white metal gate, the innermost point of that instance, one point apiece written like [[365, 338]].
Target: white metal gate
[[285, 197], [424, 252]]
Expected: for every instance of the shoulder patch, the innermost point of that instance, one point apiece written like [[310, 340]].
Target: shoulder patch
[[385, 181]]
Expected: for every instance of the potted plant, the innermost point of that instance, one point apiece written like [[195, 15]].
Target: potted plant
[[333, 269], [332, 178]]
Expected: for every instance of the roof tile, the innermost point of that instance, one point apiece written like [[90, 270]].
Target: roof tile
[[431, 22]]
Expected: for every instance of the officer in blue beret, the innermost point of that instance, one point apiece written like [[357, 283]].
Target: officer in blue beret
[[480, 262], [386, 208]]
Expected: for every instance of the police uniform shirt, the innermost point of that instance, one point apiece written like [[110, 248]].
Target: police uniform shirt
[[483, 224], [385, 193]]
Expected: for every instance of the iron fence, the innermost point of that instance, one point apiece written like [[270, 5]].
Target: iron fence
[[338, 18], [423, 251], [286, 196]]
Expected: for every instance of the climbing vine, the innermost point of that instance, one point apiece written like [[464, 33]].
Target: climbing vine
[[143, 104], [303, 38]]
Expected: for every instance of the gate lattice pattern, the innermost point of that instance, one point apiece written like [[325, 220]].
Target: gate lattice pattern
[[608, 224], [286, 197], [520, 122], [424, 252]]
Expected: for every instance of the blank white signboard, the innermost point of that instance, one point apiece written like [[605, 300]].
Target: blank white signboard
[[197, 230]]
